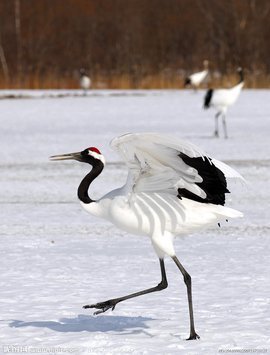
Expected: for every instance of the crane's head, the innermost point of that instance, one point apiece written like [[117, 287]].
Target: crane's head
[[206, 63], [90, 155]]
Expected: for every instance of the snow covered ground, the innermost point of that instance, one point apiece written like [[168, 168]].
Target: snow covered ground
[[55, 258]]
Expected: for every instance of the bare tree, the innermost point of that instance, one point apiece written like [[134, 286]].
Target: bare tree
[[3, 61], [44, 42], [17, 8]]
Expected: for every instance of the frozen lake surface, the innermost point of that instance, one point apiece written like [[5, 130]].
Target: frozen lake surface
[[55, 258]]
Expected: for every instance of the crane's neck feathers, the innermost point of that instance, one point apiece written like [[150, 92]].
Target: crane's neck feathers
[[213, 184], [241, 75], [87, 180]]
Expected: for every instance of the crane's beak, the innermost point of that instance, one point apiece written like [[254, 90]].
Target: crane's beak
[[74, 156]]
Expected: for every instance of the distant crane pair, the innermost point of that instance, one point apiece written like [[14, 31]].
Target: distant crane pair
[[219, 99]]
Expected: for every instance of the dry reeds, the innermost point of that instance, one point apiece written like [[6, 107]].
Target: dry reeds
[[166, 79]]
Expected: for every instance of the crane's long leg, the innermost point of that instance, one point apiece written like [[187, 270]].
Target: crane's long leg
[[195, 89], [224, 126], [187, 280], [104, 306], [216, 133]]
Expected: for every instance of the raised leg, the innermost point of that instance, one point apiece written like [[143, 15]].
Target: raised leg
[[187, 280], [224, 125], [104, 306]]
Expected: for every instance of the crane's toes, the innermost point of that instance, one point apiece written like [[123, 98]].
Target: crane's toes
[[193, 336], [102, 306]]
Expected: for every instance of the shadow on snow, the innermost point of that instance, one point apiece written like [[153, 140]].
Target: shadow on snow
[[89, 323]]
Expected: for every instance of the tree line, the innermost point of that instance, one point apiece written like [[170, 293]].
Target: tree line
[[132, 43]]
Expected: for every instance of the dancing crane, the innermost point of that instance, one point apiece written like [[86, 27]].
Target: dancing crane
[[197, 78], [85, 81], [221, 99], [172, 188]]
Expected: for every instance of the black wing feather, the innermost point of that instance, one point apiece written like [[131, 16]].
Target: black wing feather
[[187, 81], [214, 183], [208, 98]]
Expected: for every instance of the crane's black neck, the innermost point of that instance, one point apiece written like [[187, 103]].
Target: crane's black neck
[[87, 180], [241, 76]]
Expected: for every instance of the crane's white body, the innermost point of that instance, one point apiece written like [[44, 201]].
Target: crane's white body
[[223, 98], [197, 78], [158, 215], [148, 204], [85, 82]]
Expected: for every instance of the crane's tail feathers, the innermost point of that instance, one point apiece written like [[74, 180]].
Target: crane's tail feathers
[[187, 82], [227, 170], [224, 213], [232, 213], [208, 98]]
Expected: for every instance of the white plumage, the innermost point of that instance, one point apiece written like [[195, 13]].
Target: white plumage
[[221, 99], [85, 81], [156, 172], [197, 78], [172, 188]]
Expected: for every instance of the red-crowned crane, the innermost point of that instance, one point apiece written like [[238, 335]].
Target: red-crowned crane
[[195, 80], [85, 81], [221, 99], [172, 188]]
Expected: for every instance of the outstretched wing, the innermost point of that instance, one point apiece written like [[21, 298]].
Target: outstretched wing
[[164, 164]]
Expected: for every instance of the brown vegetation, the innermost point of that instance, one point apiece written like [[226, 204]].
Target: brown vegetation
[[132, 43]]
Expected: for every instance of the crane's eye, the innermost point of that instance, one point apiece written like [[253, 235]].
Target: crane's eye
[[85, 152]]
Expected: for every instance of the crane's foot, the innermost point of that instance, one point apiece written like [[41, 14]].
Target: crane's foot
[[193, 336], [102, 306]]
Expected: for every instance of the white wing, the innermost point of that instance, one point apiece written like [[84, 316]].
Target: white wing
[[156, 164], [197, 78], [227, 170]]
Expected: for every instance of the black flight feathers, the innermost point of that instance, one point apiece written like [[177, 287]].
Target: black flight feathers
[[214, 183], [208, 98]]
